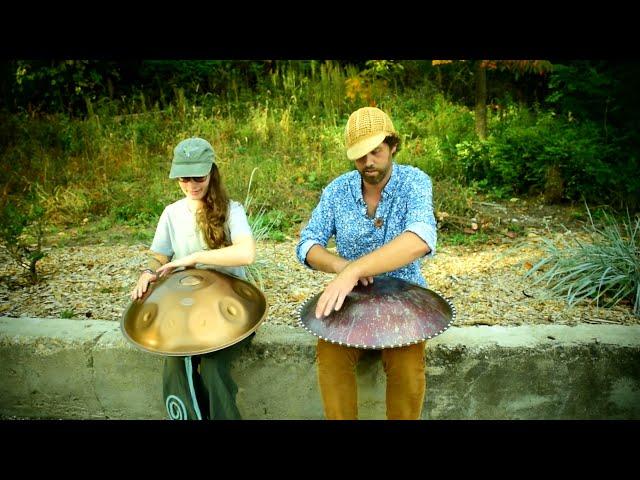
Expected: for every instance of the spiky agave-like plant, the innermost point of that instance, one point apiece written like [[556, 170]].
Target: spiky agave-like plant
[[607, 269]]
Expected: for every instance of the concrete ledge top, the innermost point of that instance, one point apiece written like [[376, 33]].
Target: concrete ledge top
[[103, 334], [527, 336]]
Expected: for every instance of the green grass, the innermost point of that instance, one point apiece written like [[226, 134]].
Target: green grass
[[457, 238], [515, 228]]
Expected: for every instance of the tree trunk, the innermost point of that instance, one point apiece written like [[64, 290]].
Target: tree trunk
[[33, 275], [481, 100], [554, 185]]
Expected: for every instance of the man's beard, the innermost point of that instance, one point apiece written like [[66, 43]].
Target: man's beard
[[373, 180]]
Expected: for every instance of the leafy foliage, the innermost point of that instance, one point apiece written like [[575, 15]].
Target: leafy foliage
[[63, 85], [528, 151]]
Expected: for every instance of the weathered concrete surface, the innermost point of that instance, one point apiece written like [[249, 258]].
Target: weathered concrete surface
[[535, 372], [58, 368]]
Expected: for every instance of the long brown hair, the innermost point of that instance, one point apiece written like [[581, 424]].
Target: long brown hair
[[211, 217]]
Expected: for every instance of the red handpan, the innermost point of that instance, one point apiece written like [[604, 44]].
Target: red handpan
[[388, 313]]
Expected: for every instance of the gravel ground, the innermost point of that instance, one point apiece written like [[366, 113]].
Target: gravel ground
[[487, 284]]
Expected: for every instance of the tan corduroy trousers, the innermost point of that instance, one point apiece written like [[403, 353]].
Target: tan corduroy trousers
[[406, 383]]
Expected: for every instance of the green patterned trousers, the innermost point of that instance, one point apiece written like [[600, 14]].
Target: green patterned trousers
[[200, 387]]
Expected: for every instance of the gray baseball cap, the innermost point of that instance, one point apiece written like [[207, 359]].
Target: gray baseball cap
[[192, 157]]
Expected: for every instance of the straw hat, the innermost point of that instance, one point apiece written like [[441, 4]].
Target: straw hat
[[366, 129]]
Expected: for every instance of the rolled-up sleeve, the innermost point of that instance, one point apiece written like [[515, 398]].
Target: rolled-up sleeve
[[162, 239], [420, 219], [237, 221], [319, 230]]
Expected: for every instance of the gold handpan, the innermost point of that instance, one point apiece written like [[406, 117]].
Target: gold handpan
[[192, 312]]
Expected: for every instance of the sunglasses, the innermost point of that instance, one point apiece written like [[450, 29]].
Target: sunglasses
[[195, 179]]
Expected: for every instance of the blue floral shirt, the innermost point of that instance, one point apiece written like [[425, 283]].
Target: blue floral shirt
[[405, 206]]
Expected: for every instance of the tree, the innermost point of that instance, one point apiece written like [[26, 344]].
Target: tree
[[61, 85], [480, 67], [481, 99]]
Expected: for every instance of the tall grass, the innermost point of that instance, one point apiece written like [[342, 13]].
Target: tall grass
[[114, 164], [607, 269], [261, 228]]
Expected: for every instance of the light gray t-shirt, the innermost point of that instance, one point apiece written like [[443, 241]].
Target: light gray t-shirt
[[177, 234]]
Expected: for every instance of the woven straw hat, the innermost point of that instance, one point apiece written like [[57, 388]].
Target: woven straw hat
[[366, 129]]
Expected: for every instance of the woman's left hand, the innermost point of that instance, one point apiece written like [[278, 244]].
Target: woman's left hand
[[167, 268]]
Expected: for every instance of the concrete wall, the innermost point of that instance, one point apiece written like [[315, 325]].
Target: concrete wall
[[59, 368]]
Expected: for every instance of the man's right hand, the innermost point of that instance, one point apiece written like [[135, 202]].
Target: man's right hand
[[143, 284]]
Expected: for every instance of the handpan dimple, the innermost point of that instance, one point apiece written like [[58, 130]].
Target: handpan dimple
[[388, 313], [187, 301], [147, 316], [232, 310], [191, 280], [244, 291]]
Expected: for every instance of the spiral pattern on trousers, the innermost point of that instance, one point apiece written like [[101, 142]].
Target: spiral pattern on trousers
[[176, 408]]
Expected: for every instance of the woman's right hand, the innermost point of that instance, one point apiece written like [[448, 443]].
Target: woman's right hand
[[143, 284]]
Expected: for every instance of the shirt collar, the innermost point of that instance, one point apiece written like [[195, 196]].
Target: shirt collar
[[355, 185], [391, 185]]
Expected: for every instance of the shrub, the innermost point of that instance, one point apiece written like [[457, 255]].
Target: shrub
[[541, 152], [18, 221]]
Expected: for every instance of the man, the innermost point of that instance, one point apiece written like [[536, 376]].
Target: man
[[381, 215]]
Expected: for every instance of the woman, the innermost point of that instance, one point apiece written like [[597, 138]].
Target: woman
[[207, 228]]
